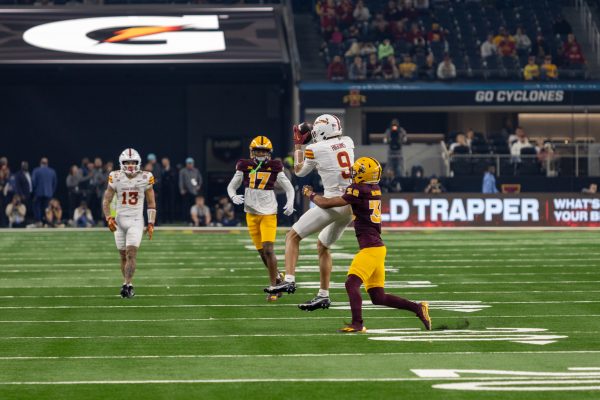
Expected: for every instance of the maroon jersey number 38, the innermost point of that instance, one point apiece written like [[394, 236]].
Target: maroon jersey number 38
[[365, 200]]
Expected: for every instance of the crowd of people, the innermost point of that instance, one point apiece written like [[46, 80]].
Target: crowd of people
[[393, 43]]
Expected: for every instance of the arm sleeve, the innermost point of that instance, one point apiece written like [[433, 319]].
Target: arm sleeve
[[307, 167], [235, 183], [285, 183]]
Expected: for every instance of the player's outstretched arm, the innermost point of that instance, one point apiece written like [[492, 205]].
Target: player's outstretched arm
[[285, 183], [106, 200], [233, 186], [151, 199], [321, 201]]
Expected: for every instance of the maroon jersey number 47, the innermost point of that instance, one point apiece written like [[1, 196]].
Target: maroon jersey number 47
[[365, 200]]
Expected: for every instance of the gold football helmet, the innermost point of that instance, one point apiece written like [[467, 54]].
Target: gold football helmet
[[261, 145], [366, 170]]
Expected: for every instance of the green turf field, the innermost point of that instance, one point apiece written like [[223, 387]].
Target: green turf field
[[516, 315]]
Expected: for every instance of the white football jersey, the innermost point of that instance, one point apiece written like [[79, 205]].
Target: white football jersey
[[333, 159], [130, 192]]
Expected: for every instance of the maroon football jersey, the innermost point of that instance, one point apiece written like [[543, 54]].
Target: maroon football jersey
[[365, 200], [263, 177]]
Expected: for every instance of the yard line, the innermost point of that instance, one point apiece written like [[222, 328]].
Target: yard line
[[299, 355], [170, 336], [462, 317]]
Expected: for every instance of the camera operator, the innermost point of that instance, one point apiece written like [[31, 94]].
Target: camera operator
[[395, 137], [435, 186], [15, 211]]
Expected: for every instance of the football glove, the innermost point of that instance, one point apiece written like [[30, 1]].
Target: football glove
[[302, 133], [111, 223], [307, 190], [150, 230], [238, 199], [288, 209]]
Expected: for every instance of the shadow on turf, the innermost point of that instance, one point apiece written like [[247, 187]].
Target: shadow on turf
[[459, 325]]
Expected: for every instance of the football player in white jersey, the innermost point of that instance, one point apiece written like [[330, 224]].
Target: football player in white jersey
[[131, 186], [332, 155]]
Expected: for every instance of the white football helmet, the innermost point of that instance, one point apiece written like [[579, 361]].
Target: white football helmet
[[130, 155], [326, 126]]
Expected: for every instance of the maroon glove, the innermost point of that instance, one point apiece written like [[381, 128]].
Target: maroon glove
[[302, 133]]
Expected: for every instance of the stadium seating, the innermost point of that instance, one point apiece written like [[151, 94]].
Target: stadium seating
[[466, 26]]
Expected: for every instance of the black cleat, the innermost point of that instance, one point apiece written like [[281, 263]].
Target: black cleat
[[130, 292], [283, 287], [315, 304], [124, 291]]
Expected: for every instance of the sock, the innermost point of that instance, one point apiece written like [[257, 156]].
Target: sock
[[290, 278], [129, 284], [380, 298], [323, 293], [353, 289], [124, 283]]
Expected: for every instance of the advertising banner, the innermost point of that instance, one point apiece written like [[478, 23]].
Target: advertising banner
[[502, 210], [154, 34]]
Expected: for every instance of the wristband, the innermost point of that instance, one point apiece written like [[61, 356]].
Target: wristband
[[312, 196], [151, 212]]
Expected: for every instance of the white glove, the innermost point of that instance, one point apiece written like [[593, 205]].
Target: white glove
[[238, 199], [288, 209]]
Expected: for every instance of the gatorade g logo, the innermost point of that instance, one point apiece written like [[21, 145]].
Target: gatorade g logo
[[130, 36]]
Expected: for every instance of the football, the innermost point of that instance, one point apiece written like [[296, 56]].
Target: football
[[305, 128]]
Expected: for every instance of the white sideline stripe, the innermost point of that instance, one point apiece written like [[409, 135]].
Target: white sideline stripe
[[299, 355], [169, 336], [243, 380], [276, 319], [259, 305], [300, 285]]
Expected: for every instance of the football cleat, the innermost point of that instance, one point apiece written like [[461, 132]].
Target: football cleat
[[283, 287], [423, 315], [124, 291], [352, 329], [130, 292], [315, 303]]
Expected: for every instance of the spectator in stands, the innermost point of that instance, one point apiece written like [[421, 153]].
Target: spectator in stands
[[469, 136], [336, 70], [74, 191], [434, 186], [353, 34], [380, 28], [225, 213], [337, 37], [328, 18], [389, 68], [156, 169], [385, 50], [489, 48], [374, 68], [521, 143], [549, 70], [358, 70], [399, 32], [15, 212], [505, 43], [54, 214], [200, 213], [43, 182], [362, 15], [367, 49], [592, 189], [422, 5], [354, 50], [419, 47], [82, 216], [522, 42], [168, 194], [391, 12], [389, 182], [547, 157], [446, 70], [4, 182], [98, 183], [540, 49], [532, 70], [561, 26], [461, 141], [414, 36], [428, 71], [572, 52], [344, 12], [409, 12], [408, 69], [23, 185], [489, 181], [190, 183], [436, 34], [395, 136]]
